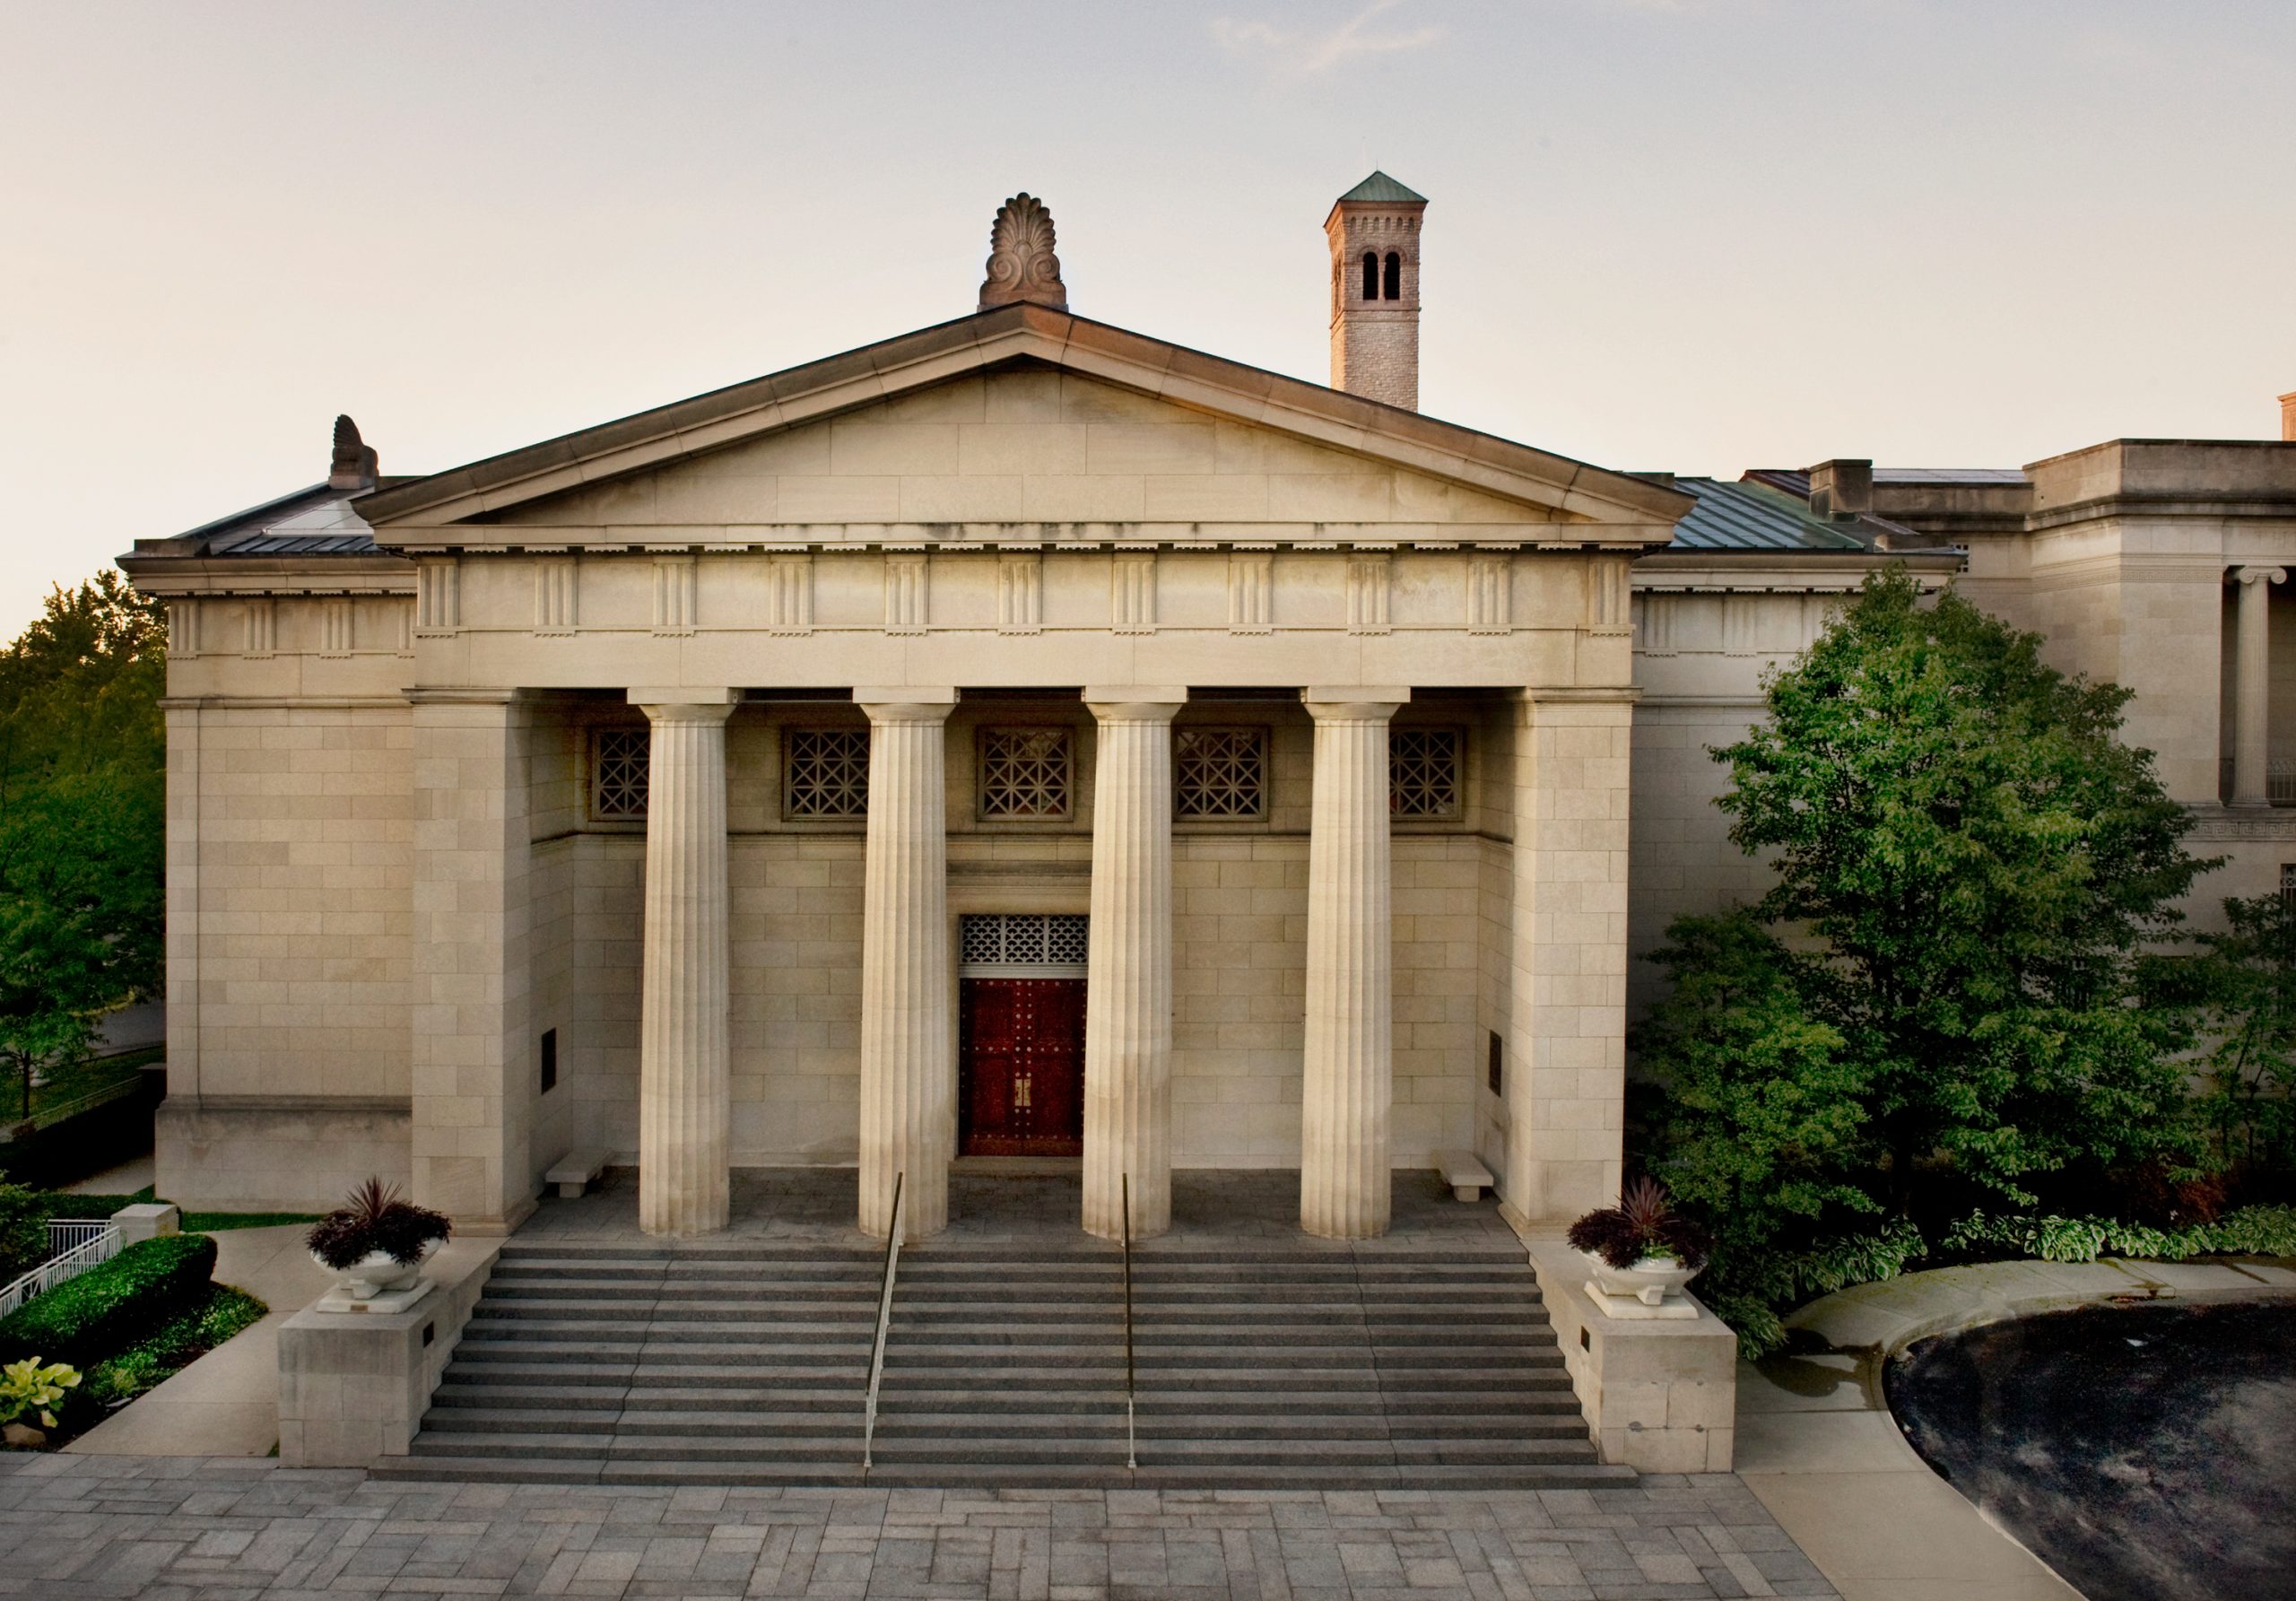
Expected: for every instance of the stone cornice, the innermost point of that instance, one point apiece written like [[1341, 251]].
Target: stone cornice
[[1733, 572], [592, 540], [190, 576], [2162, 508], [285, 702]]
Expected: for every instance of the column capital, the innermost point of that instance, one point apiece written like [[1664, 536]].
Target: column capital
[[906, 704], [1135, 702], [685, 705], [1625, 695], [2259, 575], [1355, 703]]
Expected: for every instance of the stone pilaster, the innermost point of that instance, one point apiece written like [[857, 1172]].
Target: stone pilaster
[[1348, 1088], [185, 747], [473, 1090], [1129, 991], [909, 1065], [684, 1095], [2252, 694], [1566, 1086]]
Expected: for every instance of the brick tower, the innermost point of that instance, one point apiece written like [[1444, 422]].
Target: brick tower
[[1374, 234]]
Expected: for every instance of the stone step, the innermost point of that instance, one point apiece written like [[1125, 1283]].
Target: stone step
[[1006, 1365], [827, 1474]]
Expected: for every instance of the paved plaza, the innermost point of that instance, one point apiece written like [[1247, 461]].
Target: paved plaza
[[228, 1528]]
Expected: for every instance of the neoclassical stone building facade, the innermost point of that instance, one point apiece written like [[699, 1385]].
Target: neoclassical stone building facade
[[1018, 739]]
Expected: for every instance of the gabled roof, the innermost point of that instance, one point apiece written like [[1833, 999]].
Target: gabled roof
[[1755, 516], [1381, 189], [1600, 503]]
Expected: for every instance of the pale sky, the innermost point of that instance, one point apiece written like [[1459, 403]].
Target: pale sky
[[1700, 235]]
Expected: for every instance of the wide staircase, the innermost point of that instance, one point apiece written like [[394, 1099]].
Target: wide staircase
[[1007, 1365]]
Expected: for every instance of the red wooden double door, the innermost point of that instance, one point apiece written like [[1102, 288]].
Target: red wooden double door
[[1021, 1067]]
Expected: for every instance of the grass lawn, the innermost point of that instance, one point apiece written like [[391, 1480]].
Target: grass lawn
[[212, 1223], [61, 1203], [66, 1085]]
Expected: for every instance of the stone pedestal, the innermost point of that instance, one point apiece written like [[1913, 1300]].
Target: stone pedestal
[[1128, 992], [2252, 698], [1346, 1096], [684, 1095], [146, 1219], [909, 1065], [353, 1385]]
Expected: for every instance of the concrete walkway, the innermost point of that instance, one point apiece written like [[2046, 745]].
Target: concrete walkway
[[1817, 1445], [227, 1403]]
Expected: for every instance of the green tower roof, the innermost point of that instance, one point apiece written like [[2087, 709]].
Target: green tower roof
[[1381, 189]]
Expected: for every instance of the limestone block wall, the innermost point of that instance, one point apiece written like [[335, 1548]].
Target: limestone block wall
[[288, 926], [1684, 860]]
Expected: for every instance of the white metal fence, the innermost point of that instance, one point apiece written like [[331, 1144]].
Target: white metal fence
[[78, 1244]]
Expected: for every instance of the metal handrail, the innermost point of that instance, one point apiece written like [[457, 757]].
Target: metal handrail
[[101, 1246], [884, 1321], [1131, 1386]]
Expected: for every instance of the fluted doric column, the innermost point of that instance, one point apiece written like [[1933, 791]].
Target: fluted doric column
[[1128, 991], [908, 1064], [2252, 709], [1350, 1080], [684, 1100]]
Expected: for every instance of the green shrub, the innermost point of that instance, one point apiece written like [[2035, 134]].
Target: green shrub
[[111, 1307], [23, 1232], [191, 1335]]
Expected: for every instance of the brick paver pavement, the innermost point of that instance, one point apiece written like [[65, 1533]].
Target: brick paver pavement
[[220, 1529]]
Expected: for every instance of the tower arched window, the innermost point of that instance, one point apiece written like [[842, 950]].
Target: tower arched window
[[1370, 276], [1395, 276]]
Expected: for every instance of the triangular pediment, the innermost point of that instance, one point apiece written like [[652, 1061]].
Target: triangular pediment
[[1023, 422]]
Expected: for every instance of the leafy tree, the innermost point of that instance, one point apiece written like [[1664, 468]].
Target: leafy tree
[[1952, 997], [1984, 867], [2248, 977], [83, 787]]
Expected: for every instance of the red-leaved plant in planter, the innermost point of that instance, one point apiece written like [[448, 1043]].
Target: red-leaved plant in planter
[[1643, 1223], [374, 1218]]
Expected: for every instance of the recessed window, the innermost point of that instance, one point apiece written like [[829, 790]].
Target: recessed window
[[1024, 772], [2288, 883], [1495, 1068], [1423, 777], [1370, 276], [825, 773], [1395, 276], [549, 1060], [618, 766], [1022, 940], [1220, 772]]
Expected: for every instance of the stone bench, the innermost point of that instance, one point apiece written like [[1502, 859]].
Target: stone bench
[[1467, 1178], [574, 1171]]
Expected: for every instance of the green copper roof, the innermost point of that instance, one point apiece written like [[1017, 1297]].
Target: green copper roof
[[1381, 189]]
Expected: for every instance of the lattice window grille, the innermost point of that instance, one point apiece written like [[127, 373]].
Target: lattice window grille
[[1423, 777], [618, 769], [1024, 772], [1023, 940], [826, 773], [1220, 772]]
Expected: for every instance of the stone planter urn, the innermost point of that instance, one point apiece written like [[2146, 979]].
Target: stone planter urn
[[377, 1274], [1651, 1288]]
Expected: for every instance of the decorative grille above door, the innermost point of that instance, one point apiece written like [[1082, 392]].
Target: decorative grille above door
[[1022, 946]]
